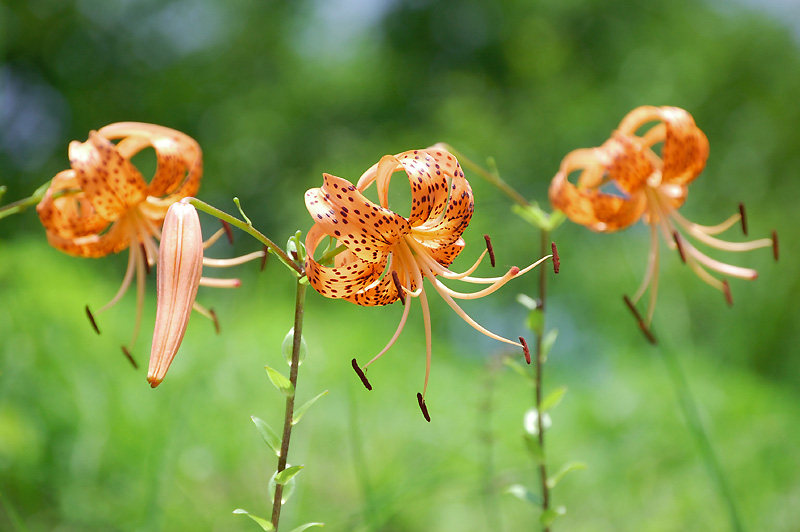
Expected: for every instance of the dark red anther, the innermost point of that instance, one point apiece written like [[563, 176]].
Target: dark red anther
[[525, 350], [743, 217], [361, 375], [130, 357], [228, 231], [726, 289], [423, 407], [775, 244], [264, 258], [677, 238], [400, 292], [146, 262], [556, 260], [489, 248], [642, 325], [91, 319], [214, 317]]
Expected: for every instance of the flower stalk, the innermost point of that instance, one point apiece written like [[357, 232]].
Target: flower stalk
[[299, 305]]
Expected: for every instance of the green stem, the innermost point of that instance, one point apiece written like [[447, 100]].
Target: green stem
[[250, 230], [545, 238], [21, 205], [288, 416], [492, 177], [690, 411]]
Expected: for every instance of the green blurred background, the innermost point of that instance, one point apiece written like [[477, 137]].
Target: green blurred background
[[279, 92]]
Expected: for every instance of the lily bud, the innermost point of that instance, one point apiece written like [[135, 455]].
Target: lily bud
[[180, 265]]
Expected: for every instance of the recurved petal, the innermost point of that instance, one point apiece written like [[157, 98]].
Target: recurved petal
[[180, 266], [368, 230], [66, 212], [587, 206], [178, 156], [444, 254], [116, 239], [447, 229], [628, 163], [111, 183], [685, 149], [351, 276]]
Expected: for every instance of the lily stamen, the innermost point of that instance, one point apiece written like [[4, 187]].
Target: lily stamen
[[489, 249]]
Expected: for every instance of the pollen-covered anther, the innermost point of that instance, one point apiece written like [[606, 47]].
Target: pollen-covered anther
[[264, 258], [130, 358], [556, 259], [525, 350], [642, 325], [677, 238], [91, 320], [214, 318], [775, 244], [743, 218], [490, 249], [423, 407], [228, 233], [400, 291], [361, 375], [726, 289]]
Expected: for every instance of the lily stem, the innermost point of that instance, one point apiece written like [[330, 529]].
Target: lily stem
[[250, 230], [492, 177], [288, 417], [697, 429], [545, 238], [20, 205]]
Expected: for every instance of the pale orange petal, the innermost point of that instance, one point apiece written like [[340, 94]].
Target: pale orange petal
[[685, 147]]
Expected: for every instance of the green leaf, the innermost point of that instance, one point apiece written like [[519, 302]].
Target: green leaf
[[536, 321], [288, 488], [569, 466], [527, 301], [287, 345], [534, 449], [524, 494], [547, 343], [265, 525], [307, 525], [298, 413], [518, 368], [553, 399], [284, 476], [549, 515], [270, 436], [281, 383], [239, 206]]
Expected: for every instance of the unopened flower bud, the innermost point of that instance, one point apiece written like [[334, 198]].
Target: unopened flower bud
[[180, 265]]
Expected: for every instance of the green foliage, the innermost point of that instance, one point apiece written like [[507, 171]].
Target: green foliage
[[281, 383], [271, 438], [263, 523]]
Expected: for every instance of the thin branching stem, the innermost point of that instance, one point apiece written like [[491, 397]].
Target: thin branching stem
[[299, 305], [250, 230], [492, 177], [697, 429], [20, 205]]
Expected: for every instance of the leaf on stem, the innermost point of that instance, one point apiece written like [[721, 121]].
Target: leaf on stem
[[524, 494], [265, 525], [280, 382], [284, 476], [569, 466], [298, 413], [534, 449], [239, 206], [549, 515], [536, 321], [270, 436], [547, 342], [518, 368], [553, 399], [307, 525], [287, 345]]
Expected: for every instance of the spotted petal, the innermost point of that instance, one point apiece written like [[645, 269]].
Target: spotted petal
[[368, 230], [111, 183]]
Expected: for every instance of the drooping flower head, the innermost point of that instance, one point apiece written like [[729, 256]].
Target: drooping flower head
[[651, 172], [103, 204], [386, 255]]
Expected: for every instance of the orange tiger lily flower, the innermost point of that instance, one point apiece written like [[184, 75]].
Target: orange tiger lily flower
[[387, 255], [651, 186], [103, 205]]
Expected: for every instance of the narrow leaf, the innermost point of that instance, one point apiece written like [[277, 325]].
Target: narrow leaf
[[524, 494], [270, 436], [548, 516], [553, 399], [287, 345], [518, 368], [569, 466], [265, 525], [280, 382], [547, 342], [307, 525], [284, 476], [302, 410]]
